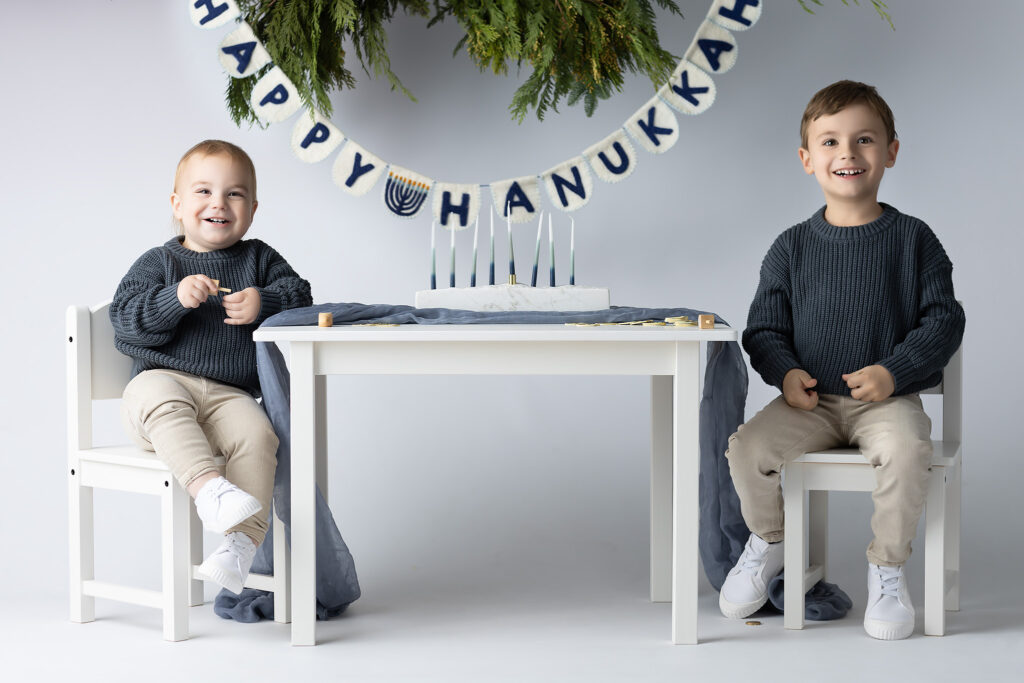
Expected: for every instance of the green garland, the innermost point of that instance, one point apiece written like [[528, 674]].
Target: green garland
[[576, 49]]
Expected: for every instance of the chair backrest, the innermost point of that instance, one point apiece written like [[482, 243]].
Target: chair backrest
[[96, 370], [953, 398]]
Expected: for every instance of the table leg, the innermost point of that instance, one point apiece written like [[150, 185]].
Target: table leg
[[685, 492], [303, 427], [320, 382], [661, 488]]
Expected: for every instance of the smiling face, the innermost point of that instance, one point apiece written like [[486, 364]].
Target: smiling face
[[847, 152], [214, 201]]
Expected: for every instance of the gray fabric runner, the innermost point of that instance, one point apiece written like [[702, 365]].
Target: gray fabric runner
[[722, 530]]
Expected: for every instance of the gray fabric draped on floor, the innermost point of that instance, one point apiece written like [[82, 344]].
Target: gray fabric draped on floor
[[722, 530]]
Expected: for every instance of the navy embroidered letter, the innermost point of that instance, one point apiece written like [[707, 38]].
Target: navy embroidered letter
[[516, 197], [241, 52], [577, 186], [623, 164], [279, 95], [713, 48], [736, 13], [685, 91], [652, 130], [318, 133], [358, 170], [462, 210], [211, 11]]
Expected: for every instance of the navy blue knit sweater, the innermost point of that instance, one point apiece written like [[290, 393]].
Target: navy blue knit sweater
[[833, 300], [152, 326]]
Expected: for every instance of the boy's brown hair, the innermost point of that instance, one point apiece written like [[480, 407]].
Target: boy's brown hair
[[840, 95], [213, 148]]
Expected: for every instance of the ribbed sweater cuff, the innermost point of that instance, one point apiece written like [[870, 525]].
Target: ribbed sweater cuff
[[776, 372], [168, 309], [902, 370], [270, 304]]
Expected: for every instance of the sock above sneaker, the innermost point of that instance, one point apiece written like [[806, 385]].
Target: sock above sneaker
[[221, 505]]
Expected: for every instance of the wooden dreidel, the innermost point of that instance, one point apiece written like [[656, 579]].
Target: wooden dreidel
[[216, 283], [706, 322], [326, 320]]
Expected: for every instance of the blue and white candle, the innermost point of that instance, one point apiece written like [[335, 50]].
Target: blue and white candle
[[536, 251], [511, 249], [476, 234], [551, 253], [433, 256], [572, 252], [451, 269], [490, 280]]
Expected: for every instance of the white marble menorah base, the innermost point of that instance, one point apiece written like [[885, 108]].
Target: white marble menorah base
[[515, 298]]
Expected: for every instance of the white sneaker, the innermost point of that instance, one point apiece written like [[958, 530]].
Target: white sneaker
[[229, 564], [890, 615], [746, 587], [221, 505]]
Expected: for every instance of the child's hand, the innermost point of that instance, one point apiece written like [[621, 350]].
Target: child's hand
[[796, 389], [194, 289], [873, 383], [242, 307]]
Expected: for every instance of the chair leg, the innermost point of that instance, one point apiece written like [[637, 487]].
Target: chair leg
[[952, 599], [817, 531], [282, 571], [795, 554], [175, 562], [935, 554], [196, 596], [81, 546]]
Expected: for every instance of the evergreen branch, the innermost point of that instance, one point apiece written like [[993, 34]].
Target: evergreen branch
[[879, 5]]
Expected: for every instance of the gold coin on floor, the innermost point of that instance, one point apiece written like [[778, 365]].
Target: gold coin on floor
[[753, 623]]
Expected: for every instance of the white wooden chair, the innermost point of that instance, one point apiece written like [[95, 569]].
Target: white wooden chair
[[845, 469], [97, 371]]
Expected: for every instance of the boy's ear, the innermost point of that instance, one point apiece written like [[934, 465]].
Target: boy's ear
[[805, 160], [176, 205], [894, 148], [254, 205]]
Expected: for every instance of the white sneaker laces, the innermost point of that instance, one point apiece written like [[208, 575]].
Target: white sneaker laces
[[752, 560], [889, 578]]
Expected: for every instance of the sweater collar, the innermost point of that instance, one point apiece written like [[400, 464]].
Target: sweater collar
[[853, 232], [174, 244]]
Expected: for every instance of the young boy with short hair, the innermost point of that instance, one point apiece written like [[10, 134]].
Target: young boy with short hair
[[853, 315], [195, 388]]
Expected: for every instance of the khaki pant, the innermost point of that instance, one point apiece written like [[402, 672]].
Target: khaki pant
[[894, 435], [188, 419]]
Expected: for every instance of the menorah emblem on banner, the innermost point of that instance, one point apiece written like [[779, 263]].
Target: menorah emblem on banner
[[404, 196]]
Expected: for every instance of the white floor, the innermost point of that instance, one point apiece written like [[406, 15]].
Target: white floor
[[553, 624]]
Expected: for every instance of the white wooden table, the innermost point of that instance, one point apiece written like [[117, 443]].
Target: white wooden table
[[669, 355]]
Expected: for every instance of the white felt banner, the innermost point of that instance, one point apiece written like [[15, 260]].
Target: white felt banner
[[355, 170], [212, 13], [405, 191], [520, 196], [569, 184], [613, 159], [735, 15], [456, 206], [241, 53], [274, 97], [713, 49], [690, 90], [654, 127], [314, 137]]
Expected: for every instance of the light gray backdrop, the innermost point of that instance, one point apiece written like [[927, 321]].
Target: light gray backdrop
[[101, 98]]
